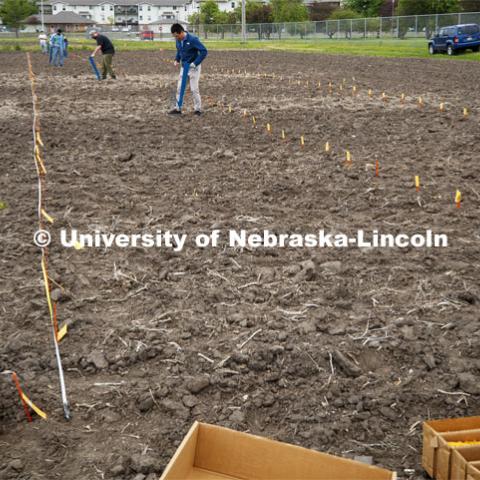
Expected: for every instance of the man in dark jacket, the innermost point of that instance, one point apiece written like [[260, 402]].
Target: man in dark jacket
[[190, 54], [108, 51]]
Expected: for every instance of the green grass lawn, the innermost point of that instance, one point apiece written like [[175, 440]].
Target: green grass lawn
[[393, 48]]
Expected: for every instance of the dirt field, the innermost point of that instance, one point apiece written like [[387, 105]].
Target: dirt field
[[342, 350]]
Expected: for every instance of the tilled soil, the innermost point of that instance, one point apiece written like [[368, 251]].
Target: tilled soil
[[342, 350]]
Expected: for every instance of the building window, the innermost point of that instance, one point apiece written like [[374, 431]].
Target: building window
[[233, 4], [111, 8], [54, 8], [140, 8], [103, 8], [103, 18], [90, 7], [140, 17], [174, 7], [63, 8], [149, 18], [149, 8]]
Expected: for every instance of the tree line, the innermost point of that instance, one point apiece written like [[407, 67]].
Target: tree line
[[280, 11]]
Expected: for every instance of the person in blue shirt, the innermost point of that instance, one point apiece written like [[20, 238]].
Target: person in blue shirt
[[57, 47], [190, 51]]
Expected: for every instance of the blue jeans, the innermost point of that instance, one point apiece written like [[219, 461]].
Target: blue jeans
[[57, 56]]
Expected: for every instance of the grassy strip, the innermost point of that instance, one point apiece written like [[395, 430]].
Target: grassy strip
[[389, 48]]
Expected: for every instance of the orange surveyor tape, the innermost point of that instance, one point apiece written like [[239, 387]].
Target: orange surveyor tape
[[26, 401]]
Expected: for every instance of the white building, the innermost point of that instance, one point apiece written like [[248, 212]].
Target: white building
[[124, 12], [139, 12]]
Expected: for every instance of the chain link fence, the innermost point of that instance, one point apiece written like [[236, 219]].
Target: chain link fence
[[418, 26]]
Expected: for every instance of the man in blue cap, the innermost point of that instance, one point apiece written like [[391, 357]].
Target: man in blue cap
[[190, 54]]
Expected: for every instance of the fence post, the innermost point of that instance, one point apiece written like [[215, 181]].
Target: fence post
[[416, 26], [365, 30], [338, 28], [398, 27], [436, 22]]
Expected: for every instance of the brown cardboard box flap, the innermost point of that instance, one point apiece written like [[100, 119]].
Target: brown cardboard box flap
[[210, 452]]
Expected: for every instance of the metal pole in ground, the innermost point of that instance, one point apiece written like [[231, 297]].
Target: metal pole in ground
[[244, 22]]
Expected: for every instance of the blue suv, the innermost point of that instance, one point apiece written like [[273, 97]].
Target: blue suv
[[455, 38]]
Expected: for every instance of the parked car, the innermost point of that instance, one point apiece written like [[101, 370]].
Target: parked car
[[115, 29], [455, 38], [147, 35], [126, 29]]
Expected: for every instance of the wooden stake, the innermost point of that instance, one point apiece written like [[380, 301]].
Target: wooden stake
[[327, 147], [377, 168], [269, 128], [302, 141], [348, 158], [420, 102], [283, 135], [417, 183], [465, 112], [254, 121], [442, 107], [370, 93]]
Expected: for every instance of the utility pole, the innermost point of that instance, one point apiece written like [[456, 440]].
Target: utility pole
[[244, 22], [41, 16]]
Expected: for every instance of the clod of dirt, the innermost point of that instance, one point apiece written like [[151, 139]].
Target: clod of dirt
[[306, 273], [144, 464], [469, 383], [97, 358], [237, 416], [125, 157], [196, 385], [56, 295], [16, 465], [429, 360], [117, 470], [468, 297], [331, 267], [347, 366]]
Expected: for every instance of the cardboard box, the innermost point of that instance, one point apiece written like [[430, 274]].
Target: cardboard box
[[473, 471], [437, 453], [460, 461], [209, 452]]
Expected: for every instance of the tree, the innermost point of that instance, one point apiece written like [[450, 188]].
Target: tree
[[366, 8], [426, 7], [320, 11], [289, 11], [470, 5], [344, 14], [13, 12]]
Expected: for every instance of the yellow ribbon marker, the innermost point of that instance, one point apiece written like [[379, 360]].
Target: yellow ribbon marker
[[302, 141], [402, 98], [417, 183], [47, 216], [442, 107], [245, 112], [458, 198], [37, 410], [354, 90], [348, 157], [283, 134], [465, 112], [370, 93], [62, 332], [229, 109], [47, 287], [319, 84], [254, 121], [384, 96], [420, 102], [269, 128], [39, 139], [327, 147]]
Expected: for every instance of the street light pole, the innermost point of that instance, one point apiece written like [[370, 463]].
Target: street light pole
[[244, 22]]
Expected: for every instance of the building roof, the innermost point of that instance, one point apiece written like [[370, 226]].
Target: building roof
[[62, 18], [93, 3]]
